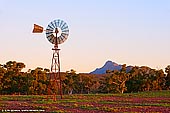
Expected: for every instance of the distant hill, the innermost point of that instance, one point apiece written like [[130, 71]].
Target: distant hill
[[109, 65]]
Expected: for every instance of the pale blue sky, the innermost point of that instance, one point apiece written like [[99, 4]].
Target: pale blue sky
[[134, 32]]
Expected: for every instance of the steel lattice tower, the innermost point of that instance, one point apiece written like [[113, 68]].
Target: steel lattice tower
[[56, 32]]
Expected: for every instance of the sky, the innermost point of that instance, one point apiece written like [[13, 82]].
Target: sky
[[132, 32]]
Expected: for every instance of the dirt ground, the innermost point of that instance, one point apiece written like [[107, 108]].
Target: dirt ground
[[85, 104]]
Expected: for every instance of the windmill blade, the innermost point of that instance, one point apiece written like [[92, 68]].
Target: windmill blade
[[65, 37], [64, 34], [57, 23], [65, 31], [61, 39], [52, 23], [51, 38], [49, 32], [63, 26], [50, 27], [61, 23]]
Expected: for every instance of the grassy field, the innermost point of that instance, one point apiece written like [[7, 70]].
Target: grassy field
[[158, 101]]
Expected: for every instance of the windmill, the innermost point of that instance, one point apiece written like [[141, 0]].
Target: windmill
[[56, 32]]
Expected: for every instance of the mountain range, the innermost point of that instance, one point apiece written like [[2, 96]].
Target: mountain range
[[109, 65]]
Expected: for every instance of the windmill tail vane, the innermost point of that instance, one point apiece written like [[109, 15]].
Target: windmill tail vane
[[37, 29]]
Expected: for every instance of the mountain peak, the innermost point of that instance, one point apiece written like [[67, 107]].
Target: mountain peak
[[109, 65], [108, 62]]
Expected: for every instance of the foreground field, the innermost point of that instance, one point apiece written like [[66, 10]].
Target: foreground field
[[92, 103]]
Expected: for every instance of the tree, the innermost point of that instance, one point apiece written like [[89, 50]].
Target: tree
[[14, 66], [158, 80], [167, 70], [134, 82], [39, 81], [87, 82], [115, 81], [120, 78], [2, 73], [69, 82], [106, 84], [12, 77]]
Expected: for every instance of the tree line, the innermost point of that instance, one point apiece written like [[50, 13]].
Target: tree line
[[36, 82]]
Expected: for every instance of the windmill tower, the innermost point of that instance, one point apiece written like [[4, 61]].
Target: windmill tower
[[56, 32]]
